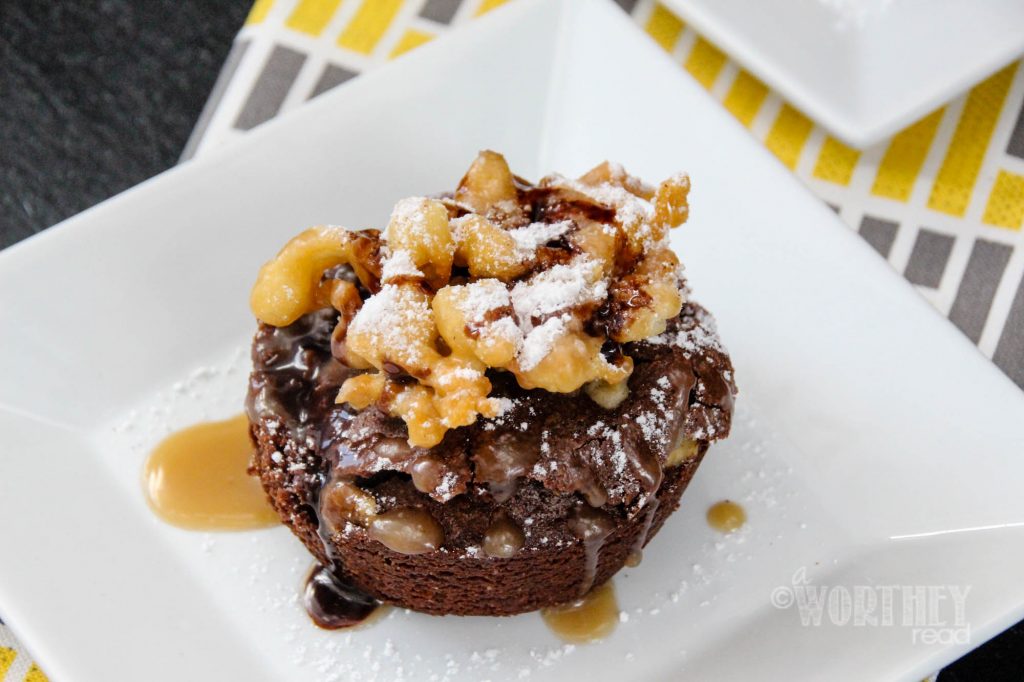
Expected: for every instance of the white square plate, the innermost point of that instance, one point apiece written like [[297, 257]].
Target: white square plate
[[873, 444], [864, 68]]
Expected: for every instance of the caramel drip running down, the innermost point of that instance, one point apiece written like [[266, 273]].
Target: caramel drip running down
[[334, 604], [726, 516], [592, 527], [197, 479], [588, 619], [636, 552]]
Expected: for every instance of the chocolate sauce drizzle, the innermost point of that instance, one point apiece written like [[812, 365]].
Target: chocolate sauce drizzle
[[333, 603], [294, 387], [331, 600]]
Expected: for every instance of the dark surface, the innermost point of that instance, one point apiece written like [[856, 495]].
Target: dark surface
[[1001, 659], [98, 96]]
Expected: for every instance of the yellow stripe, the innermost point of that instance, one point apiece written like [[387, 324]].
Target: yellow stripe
[[705, 62], [788, 135], [259, 11], [904, 158], [664, 27], [368, 25], [7, 656], [1005, 206], [745, 97], [954, 184], [487, 5], [412, 38], [34, 674], [836, 162], [312, 16]]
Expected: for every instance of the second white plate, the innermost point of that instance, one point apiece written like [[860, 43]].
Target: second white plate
[[863, 68]]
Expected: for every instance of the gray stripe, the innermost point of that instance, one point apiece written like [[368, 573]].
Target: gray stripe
[[1016, 145], [1010, 351], [440, 11], [271, 87], [834, 207], [331, 76], [879, 233], [627, 5], [978, 287], [227, 72], [928, 258]]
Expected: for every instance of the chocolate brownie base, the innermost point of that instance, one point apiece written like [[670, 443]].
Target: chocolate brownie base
[[451, 582], [578, 455]]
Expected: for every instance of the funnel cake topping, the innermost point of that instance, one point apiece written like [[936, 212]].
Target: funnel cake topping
[[546, 282]]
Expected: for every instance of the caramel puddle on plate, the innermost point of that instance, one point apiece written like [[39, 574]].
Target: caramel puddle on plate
[[196, 478], [726, 516], [588, 619]]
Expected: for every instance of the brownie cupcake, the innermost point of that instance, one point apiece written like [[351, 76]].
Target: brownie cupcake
[[493, 404]]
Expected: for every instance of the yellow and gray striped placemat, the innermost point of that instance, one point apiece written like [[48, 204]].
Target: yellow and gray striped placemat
[[15, 664], [943, 200]]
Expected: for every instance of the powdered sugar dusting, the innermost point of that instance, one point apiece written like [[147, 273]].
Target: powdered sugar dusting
[[630, 209], [411, 212], [399, 264], [553, 292], [700, 337], [457, 376], [388, 315], [481, 297], [462, 223], [559, 288], [528, 239], [550, 294], [408, 210], [539, 342], [505, 329]]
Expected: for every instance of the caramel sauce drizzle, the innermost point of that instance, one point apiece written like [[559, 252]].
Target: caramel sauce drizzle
[[592, 526], [588, 619], [636, 552], [726, 516], [197, 478]]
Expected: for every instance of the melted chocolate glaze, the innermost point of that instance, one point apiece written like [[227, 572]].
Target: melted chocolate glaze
[[333, 603], [293, 385]]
